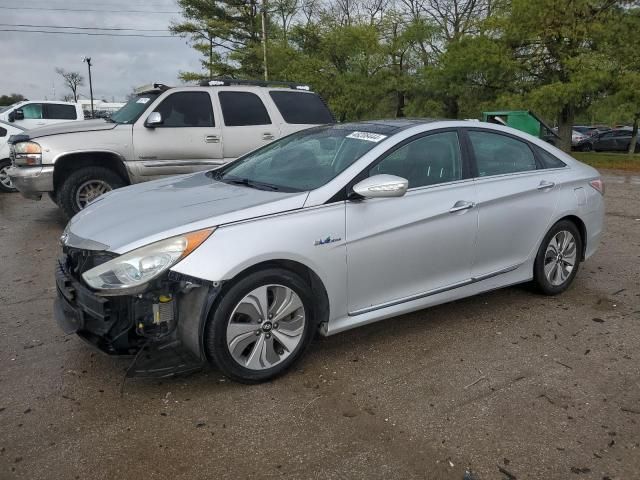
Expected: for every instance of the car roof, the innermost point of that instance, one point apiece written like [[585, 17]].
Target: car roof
[[389, 127]]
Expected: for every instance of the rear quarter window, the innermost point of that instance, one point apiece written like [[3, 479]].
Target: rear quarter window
[[549, 160], [301, 108], [60, 112]]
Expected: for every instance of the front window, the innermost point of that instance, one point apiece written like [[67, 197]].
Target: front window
[[133, 109], [32, 111], [300, 162]]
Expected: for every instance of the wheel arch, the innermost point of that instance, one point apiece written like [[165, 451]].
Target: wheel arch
[[310, 277], [68, 162], [577, 221]]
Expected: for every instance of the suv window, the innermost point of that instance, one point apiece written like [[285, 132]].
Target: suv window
[[32, 110], [186, 109], [428, 160], [549, 160], [60, 112], [498, 154], [243, 108], [3, 132], [298, 107]]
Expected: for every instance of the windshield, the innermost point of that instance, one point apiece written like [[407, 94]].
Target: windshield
[[133, 108], [300, 162], [4, 109]]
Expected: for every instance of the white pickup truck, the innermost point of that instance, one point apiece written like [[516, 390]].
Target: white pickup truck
[[30, 114]]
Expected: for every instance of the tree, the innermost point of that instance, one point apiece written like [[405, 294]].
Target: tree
[[225, 32], [11, 99], [73, 80]]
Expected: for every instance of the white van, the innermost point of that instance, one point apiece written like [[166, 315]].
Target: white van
[[30, 114]]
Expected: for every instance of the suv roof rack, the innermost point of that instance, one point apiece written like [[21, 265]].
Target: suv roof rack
[[224, 81], [152, 87]]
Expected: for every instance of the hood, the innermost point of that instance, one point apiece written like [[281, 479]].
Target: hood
[[134, 216], [69, 127]]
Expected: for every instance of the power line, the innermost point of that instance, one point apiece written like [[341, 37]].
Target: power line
[[82, 28], [89, 33], [88, 10]]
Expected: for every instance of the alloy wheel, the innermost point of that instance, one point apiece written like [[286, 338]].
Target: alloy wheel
[[89, 191], [560, 258], [5, 181], [266, 326]]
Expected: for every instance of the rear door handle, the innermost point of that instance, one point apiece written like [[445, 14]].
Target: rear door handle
[[268, 136], [461, 205], [543, 185], [212, 139]]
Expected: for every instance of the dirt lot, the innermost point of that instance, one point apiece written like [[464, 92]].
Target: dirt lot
[[543, 388]]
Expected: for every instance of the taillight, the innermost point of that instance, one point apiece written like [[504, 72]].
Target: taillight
[[598, 184]]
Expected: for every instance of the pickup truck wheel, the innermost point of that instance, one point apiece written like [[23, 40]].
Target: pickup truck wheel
[[85, 185], [5, 181]]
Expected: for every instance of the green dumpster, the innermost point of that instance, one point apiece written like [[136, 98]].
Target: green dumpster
[[523, 120]]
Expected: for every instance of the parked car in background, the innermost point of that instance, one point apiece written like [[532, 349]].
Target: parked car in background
[[616, 140], [162, 131], [6, 130], [30, 114], [585, 130], [328, 229], [582, 142]]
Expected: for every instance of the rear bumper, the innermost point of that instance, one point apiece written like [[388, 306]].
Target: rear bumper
[[32, 182]]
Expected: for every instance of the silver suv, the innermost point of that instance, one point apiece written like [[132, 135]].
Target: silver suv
[[161, 131]]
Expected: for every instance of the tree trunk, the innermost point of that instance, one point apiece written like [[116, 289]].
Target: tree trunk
[[400, 103], [451, 107], [634, 133], [565, 128]]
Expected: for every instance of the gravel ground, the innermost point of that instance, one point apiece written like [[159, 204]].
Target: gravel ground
[[538, 387]]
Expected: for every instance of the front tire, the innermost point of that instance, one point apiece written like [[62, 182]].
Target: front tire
[[5, 182], [558, 258], [85, 185], [261, 326]]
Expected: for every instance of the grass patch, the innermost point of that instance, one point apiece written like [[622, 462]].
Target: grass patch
[[620, 161]]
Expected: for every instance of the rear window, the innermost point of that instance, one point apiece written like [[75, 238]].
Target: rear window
[[303, 108], [243, 108], [60, 112]]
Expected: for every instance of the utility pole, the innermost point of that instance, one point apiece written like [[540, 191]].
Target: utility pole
[[88, 60], [264, 37]]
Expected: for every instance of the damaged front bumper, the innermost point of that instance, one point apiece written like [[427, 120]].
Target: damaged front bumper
[[161, 328]]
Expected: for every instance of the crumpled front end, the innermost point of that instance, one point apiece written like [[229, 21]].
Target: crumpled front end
[[160, 326]]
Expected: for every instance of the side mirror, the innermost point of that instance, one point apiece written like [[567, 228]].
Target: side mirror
[[382, 186], [153, 120]]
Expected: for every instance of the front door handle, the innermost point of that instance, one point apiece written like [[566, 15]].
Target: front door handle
[[268, 136], [461, 205], [212, 139], [543, 185]]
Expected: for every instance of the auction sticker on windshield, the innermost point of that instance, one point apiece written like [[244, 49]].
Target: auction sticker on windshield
[[368, 136], [143, 100]]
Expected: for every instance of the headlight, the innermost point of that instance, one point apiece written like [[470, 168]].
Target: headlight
[[142, 265], [27, 154]]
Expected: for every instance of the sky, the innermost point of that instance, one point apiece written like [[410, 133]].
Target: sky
[[119, 64]]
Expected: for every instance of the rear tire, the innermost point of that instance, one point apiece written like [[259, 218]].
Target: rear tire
[[5, 181], [253, 341], [558, 258], [85, 185]]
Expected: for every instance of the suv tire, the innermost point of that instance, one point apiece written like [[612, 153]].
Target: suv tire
[[85, 185], [5, 182], [558, 258], [253, 344]]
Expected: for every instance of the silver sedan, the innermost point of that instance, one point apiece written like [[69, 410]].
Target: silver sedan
[[324, 230]]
